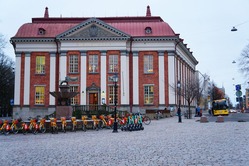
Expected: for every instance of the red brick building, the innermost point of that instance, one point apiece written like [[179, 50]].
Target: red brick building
[[148, 56]]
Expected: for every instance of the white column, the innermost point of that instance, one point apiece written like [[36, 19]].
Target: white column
[[52, 77], [124, 79], [135, 79], [103, 76], [171, 77], [26, 79], [83, 72], [17, 79], [63, 66], [161, 78]]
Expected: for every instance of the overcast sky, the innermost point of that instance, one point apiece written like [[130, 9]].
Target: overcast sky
[[205, 25]]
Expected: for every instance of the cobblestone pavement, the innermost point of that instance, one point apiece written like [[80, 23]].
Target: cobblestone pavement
[[162, 143]]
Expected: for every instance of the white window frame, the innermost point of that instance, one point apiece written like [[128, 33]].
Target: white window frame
[[73, 63], [148, 94], [39, 96], [74, 100], [148, 63], [39, 66], [113, 64], [111, 93], [93, 64]]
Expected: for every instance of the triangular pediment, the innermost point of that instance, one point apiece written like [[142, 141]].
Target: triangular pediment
[[93, 29]]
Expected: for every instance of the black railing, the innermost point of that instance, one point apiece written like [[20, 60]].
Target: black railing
[[89, 110]]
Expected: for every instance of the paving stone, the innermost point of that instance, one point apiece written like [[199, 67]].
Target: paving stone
[[164, 142]]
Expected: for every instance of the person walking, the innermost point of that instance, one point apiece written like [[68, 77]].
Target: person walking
[[198, 111]]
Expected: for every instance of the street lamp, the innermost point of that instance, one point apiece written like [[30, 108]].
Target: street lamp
[[115, 125], [179, 106], [234, 29]]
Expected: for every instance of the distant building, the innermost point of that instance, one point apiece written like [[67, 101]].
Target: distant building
[[246, 99], [148, 56]]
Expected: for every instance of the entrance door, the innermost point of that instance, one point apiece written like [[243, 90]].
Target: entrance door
[[93, 101], [93, 98]]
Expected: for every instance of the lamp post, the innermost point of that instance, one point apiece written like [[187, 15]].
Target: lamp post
[[115, 125], [179, 106]]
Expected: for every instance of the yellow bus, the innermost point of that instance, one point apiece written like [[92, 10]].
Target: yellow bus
[[220, 107]]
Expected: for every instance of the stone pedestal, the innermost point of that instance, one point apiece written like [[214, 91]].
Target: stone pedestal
[[203, 119], [64, 111], [220, 119]]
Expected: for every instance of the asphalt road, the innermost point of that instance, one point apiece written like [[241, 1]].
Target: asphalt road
[[232, 117]]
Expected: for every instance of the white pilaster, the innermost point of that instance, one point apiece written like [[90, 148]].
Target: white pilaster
[[161, 78], [135, 79], [17, 79], [63, 66], [171, 77], [26, 79], [124, 79], [52, 78], [103, 76], [83, 72]]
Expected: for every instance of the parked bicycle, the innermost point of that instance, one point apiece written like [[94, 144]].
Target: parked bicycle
[[84, 122], [122, 121], [53, 125], [63, 124], [42, 126], [95, 122], [14, 127], [24, 127], [107, 121], [5, 128], [145, 119], [74, 124], [33, 125]]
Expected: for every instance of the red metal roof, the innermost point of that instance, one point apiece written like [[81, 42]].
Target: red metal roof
[[131, 28]]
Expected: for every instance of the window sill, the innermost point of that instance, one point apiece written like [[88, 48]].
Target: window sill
[[149, 73], [38, 74], [148, 104], [74, 73]]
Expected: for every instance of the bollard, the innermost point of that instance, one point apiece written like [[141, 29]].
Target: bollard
[[220, 119], [203, 119]]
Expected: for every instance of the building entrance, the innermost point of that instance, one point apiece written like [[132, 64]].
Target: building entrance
[[93, 99]]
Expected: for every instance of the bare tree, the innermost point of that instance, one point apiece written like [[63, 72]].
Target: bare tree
[[2, 43], [6, 80], [244, 62], [190, 90]]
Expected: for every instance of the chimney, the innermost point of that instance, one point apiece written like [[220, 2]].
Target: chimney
[[148, 13], [46, 13]]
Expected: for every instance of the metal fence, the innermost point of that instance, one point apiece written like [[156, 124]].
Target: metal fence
[[79, 110]]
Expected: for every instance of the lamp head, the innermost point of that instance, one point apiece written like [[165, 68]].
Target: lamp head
[[115, 78], [178, 84], [234, 29]]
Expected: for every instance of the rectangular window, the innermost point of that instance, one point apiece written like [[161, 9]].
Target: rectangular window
[[113, 63], [39, 95], [93, 64], [111, 95], [148, 94], [40, 65], [73, 64], [148, 64], [74, 100]]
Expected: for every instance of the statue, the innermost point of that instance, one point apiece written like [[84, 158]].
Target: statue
[[63, 98]]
